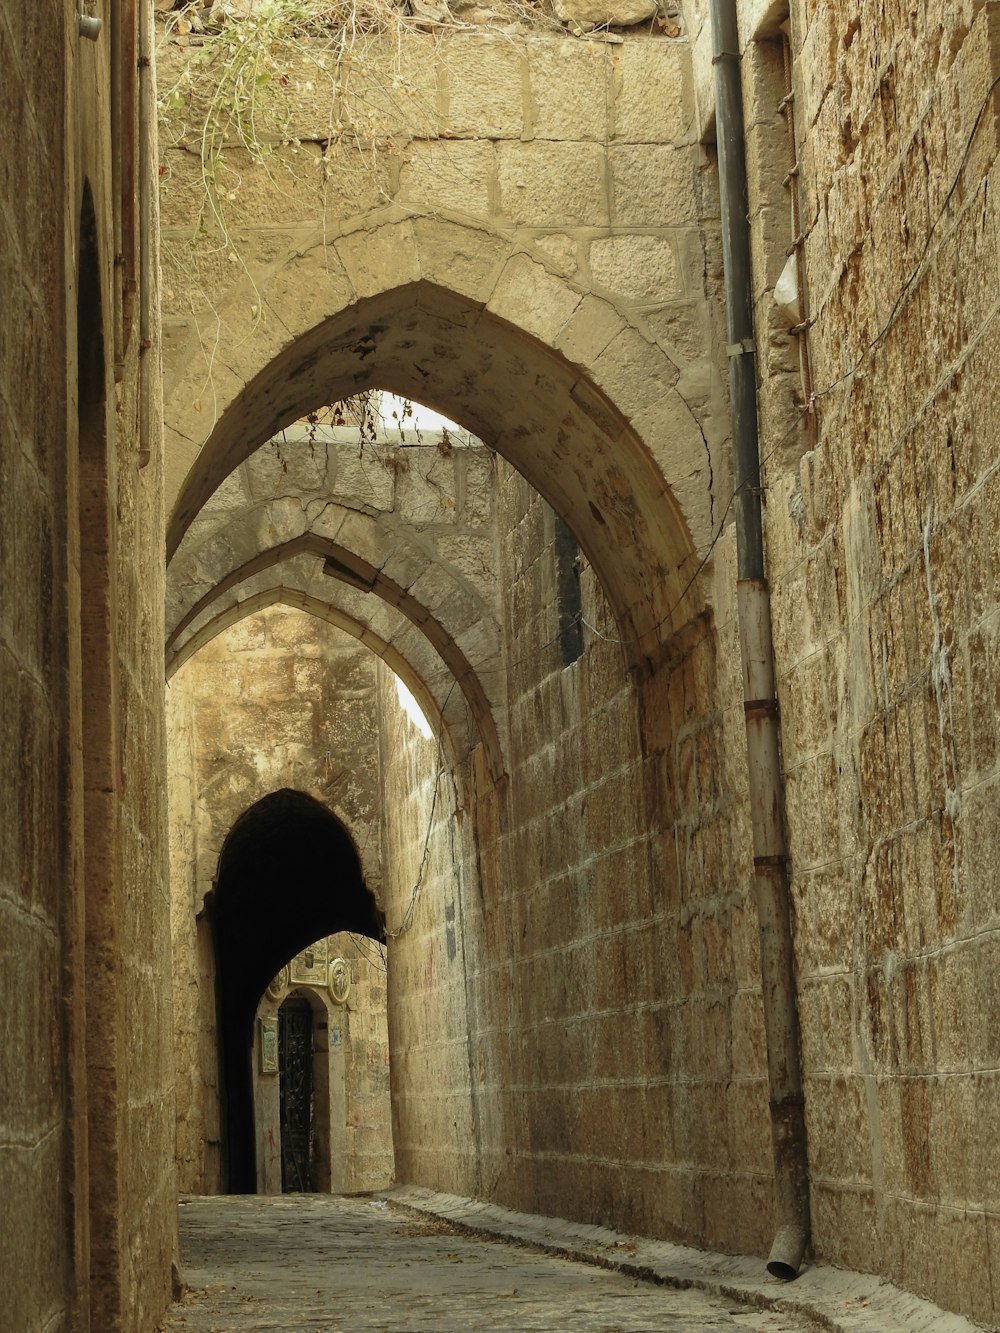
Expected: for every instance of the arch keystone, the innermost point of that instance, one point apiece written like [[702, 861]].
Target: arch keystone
[[379, 259], [467, 259]]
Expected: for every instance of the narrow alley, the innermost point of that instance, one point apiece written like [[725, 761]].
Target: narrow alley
[[314, 1262], [500, 665]]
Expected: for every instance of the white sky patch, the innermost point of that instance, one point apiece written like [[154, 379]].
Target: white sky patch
[[412, 709], [423, 418]]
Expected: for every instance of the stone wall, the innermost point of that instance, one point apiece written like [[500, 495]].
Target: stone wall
[[86, 1114], [425, 846], [883, 558], [36, 1126], [637, 1061], [554, 259], [368, 1150], [389, 537], [574, 998], [881, 536], [606, 963]]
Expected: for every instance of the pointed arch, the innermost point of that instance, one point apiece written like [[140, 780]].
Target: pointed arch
[[288, 874], [579, 402]]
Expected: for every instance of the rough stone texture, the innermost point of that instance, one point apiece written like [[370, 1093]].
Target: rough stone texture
[[881, 544], [410, 519], [86, 1114], [575, 995], [618, 14], [36, 1131], [461, 244], [611, 1079], [302, 1262], [426, 863]]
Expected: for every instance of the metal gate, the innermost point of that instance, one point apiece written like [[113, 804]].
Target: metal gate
[[295, 1062]]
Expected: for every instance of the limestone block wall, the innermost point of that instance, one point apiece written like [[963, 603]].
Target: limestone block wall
[[280, 700], [881, 533], [428, 862], [144, 1203], [368, 1151], [37, 835], [556, 262], [390, 538], [527, 250], [614, 1055], [637, 1060], [85, 1115]]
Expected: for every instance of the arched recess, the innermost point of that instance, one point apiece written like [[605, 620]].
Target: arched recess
[[524, 393], [105, 1019], [288, 874], [454, 704]]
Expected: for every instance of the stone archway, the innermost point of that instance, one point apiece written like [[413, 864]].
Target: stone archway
[[397, 540], [453, 704], [288, 874], [574, 434]]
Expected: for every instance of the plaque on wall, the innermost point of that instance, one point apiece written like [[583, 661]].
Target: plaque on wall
[[269, 1045], [279, 984], [338, 981], [309, 967]]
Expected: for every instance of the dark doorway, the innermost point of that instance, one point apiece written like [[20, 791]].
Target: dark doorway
[[298, 1107], [288, 874]]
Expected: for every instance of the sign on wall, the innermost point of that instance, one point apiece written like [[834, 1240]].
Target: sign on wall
[[269, 1045], [309, 966]]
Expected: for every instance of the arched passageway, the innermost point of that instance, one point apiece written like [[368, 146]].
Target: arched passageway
[[288, 874], [562, 429]]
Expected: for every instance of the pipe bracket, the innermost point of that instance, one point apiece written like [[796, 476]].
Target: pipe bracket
[[761, 707], [741, 348]]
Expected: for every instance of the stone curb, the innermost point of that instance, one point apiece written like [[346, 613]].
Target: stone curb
[[836, 1299]]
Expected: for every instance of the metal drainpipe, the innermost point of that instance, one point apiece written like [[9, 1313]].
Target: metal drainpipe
[[767, 803]]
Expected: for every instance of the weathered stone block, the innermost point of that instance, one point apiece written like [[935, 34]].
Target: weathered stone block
[[570, 85], [653, 93], [638, 267], [653, 185], [552, 184], [484, 86], [541, 302], [449, 175], [380, 259]]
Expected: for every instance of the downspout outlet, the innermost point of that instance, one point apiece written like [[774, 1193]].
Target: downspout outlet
[[789, 1246]]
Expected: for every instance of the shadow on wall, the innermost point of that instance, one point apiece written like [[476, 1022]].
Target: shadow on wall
[[288, 874]]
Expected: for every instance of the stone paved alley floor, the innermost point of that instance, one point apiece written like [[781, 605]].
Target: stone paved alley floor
[[298, 1264]]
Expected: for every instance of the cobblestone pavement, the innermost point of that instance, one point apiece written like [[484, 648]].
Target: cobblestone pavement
[[302, 1263]]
